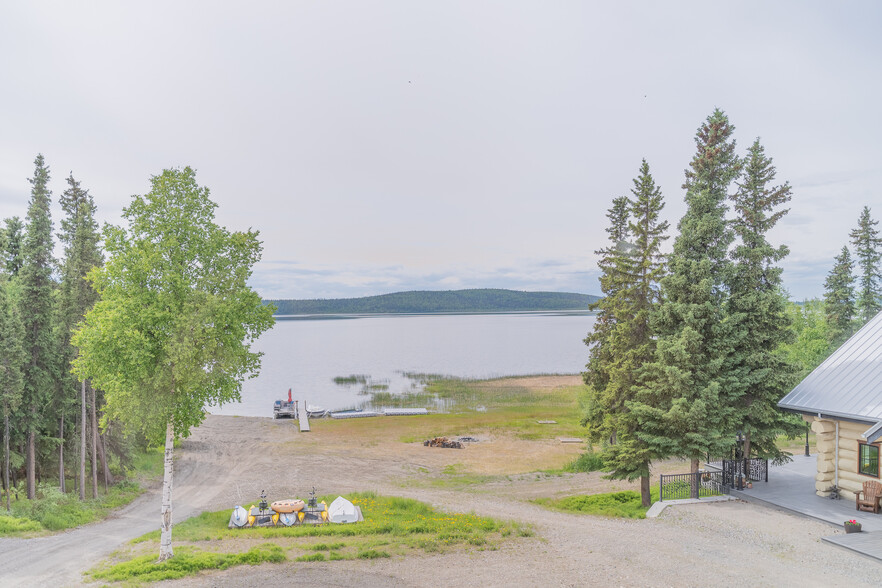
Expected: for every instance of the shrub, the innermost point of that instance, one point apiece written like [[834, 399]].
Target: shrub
[[587, 462]]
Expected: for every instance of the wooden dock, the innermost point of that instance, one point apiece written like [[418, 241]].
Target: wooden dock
[[304, 419]]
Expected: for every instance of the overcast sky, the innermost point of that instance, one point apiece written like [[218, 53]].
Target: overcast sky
[[386, 146]]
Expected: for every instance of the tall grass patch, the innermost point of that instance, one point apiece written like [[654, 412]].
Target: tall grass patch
[[186, 562], [625, 504]]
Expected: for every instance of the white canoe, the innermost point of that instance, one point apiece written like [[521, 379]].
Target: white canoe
[[342, 511], [239, 518]]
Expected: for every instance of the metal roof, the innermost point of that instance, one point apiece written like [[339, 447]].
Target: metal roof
[[849, 382]]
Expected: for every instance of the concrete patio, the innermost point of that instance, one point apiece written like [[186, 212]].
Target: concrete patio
[[791, 487]]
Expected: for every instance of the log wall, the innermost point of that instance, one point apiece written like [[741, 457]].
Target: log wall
[[850, 481]]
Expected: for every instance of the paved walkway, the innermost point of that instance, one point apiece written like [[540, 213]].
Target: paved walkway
[[792, 487]]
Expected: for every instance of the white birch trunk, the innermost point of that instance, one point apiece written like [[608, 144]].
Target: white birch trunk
[[83, 440], [165, 529]]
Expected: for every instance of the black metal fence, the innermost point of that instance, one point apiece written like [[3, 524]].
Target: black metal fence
[[697, 485], [738, 472], [732, 473]]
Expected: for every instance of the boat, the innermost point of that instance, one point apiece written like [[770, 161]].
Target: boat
[[290, 505], [239, 518], [314, 412], [342, 511], [285, 409]]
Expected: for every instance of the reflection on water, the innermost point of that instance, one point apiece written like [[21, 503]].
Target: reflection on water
[[377, 361]]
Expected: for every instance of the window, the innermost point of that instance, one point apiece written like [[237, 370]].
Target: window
[[868, 460]]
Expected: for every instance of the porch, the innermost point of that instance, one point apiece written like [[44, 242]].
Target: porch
[[792, 487]]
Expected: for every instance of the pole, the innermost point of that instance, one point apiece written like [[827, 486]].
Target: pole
[[807, 454]]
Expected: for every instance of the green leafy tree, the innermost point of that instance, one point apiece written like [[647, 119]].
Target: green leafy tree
[[809, 345], [839, 302], [868, 251], [80, 237], [759, 375], [36, 312], [631, 342], [683, 404], [12, 256], [11, 359], [172, 329]]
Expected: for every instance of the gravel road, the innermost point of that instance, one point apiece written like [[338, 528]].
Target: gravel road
[[229, 460]]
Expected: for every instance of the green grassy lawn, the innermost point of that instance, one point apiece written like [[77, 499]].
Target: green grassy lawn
[[393, 527], [624, 504], [53, 510]]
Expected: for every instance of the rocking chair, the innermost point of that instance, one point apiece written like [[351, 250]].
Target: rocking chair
[[868, 498]]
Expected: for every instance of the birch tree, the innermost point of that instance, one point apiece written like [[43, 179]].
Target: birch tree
[[172, 329]]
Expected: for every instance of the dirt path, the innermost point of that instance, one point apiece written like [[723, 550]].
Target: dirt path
[[229, 460]]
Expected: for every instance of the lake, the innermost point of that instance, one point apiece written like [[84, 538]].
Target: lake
[[307, 353]]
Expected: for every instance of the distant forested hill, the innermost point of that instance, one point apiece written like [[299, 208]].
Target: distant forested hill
[[481, 300]]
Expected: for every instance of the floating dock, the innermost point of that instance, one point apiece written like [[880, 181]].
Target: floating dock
[[405, 411], [354, 414], [304, 419]]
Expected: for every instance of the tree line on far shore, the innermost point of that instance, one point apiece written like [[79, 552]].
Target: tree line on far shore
[[697, 346], [421, 301]]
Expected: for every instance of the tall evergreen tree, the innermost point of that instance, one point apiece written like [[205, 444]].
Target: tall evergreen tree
[[611, 259], [80, 237], [683, 405], [11, 360], [759, 374], [12, 259], [36, 312], [868, 251], [631, 342], [839, 302]]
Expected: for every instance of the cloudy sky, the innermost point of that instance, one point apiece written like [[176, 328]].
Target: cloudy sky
[[385, 146]]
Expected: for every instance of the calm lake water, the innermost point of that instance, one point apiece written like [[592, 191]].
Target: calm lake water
[[307, 354]]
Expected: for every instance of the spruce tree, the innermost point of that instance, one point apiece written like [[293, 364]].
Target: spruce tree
[[631, 342], [757, 308], [683, 404], [868, 251], [839, 302], [36, 311], [612, 257], [11, 360], [12, 246], [80, 237]]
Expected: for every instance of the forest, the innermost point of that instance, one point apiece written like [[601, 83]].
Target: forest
[[696, 346], [422, 301]]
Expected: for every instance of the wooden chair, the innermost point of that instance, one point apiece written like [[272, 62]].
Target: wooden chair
[[868, 498]]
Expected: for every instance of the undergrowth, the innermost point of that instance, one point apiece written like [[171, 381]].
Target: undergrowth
[[186, 561], [626, 504], [53, 510]]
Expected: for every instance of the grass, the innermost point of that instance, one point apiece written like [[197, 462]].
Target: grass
[[511, 409], [186, 562], [53, 510], [392, 527], [624, 504], [587, 462]]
